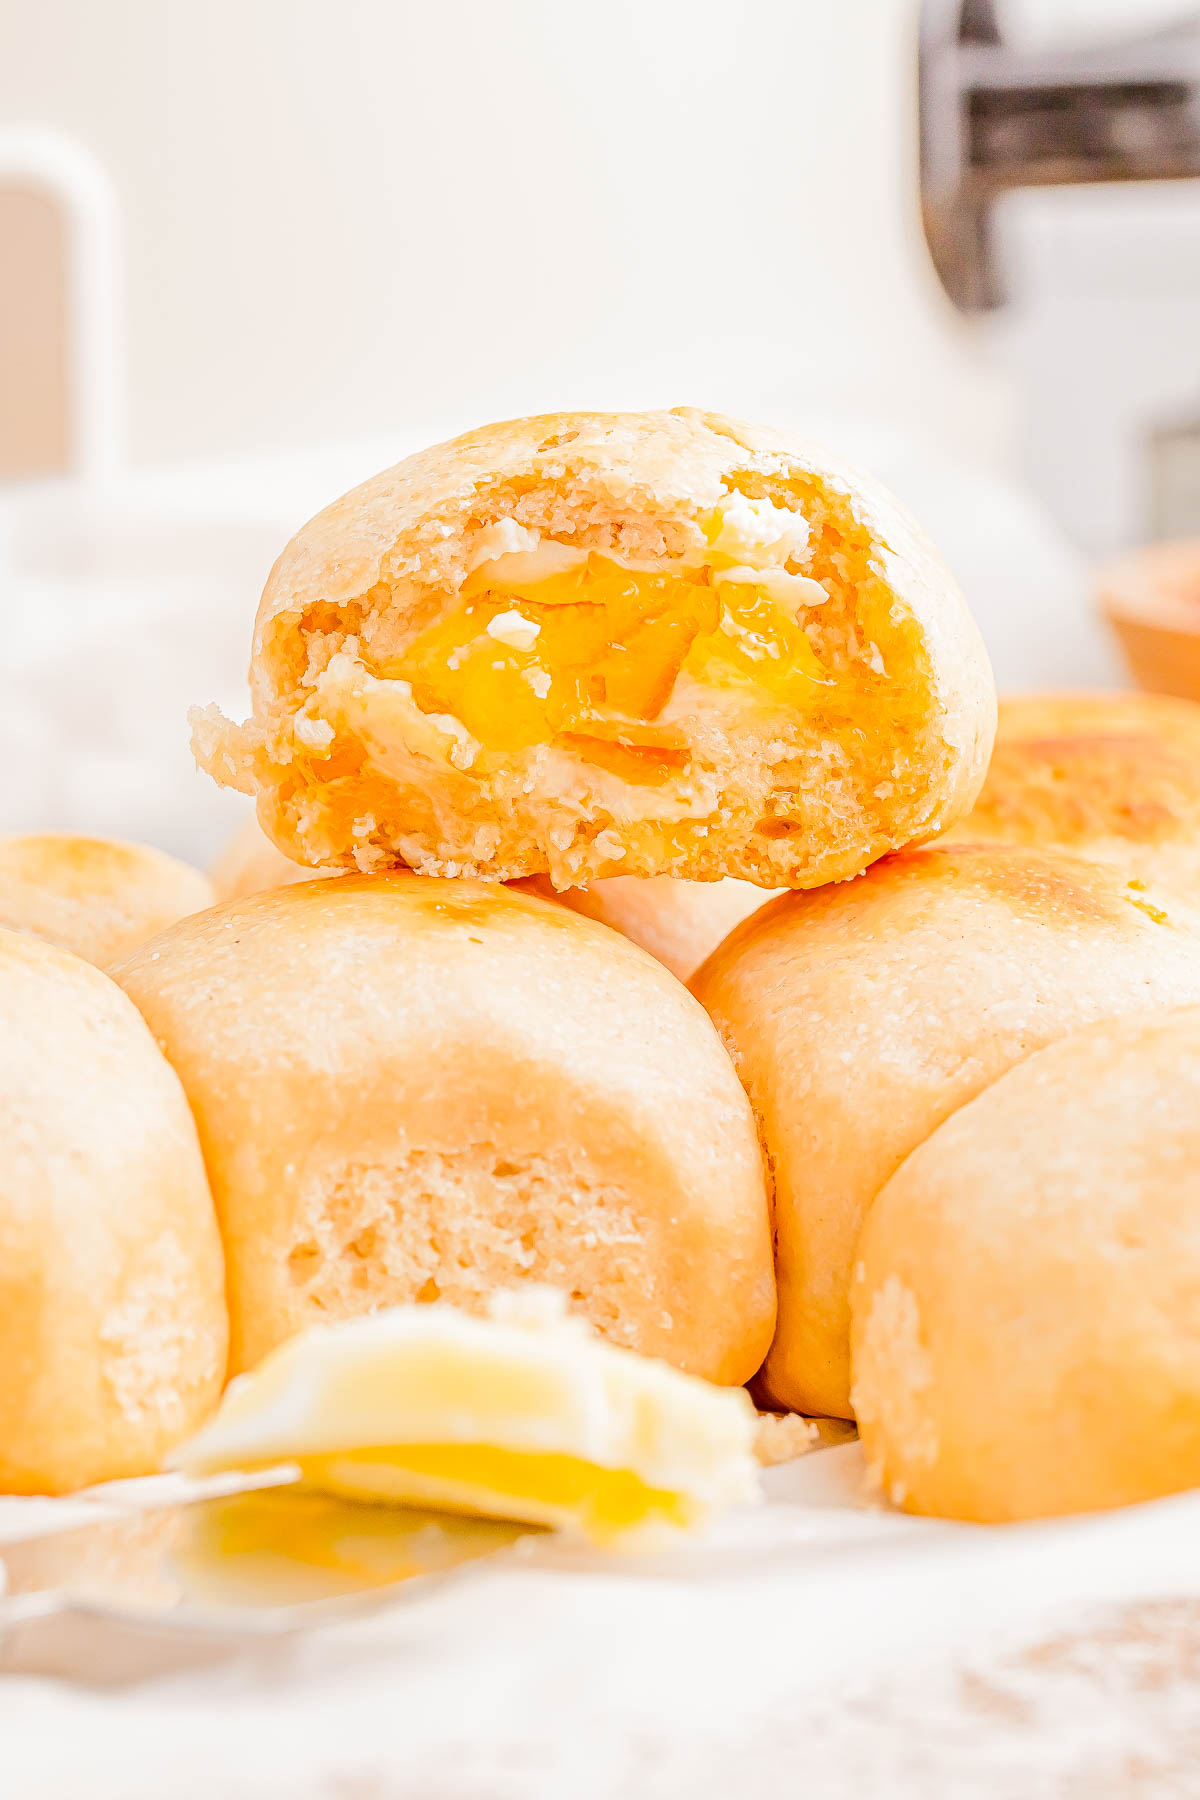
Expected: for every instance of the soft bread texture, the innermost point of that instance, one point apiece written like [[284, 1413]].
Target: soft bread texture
[[716, 778], [250, 864], [1025, 1324], [1113, 777], [860, 1017], [99, 897], [410, 1088], [112, 1306], [678, 922]]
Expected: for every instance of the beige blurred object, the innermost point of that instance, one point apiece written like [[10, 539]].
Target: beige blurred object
[[679, 922], [99, 897], [250, 864], [862, 1014], [35, 436], [60, 334], [1151, 598], [1024, 1298], [782, 1437], [1113, 777], [121, 1561]]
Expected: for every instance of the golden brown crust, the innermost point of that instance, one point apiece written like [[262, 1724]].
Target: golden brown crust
[[410, 1088], [636, 484], [1025, 1297], [112, 1305], [99, 897], [1114, 777], [861, 1016]]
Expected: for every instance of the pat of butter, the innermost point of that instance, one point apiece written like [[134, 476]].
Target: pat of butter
[[744, 540], [504, 538], [315, 734], [792, 591], [757, 532], [514, 629], [518, 569], [523, 1415]]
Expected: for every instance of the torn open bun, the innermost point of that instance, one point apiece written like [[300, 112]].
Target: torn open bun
[[596, 644]]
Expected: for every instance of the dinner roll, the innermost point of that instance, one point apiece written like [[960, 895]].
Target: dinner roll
[[1114, 777], [679, 922], [413, 1089], [112, 1305], [250, 863], [1025, 1296], [99, 897], [861, 1016], [598, 644]]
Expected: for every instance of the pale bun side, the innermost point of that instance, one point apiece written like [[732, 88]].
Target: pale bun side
[[250, 864], [1025, 1298], [113, 1325], [410, 1088], [99, 897], [679, 922], [861, 1016]]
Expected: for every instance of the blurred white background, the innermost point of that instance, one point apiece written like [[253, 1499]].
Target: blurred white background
[[341, 230], [346, 218]]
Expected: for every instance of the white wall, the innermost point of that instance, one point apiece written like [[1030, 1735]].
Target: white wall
[[1103, 344], [344, 216], [1053, 22]]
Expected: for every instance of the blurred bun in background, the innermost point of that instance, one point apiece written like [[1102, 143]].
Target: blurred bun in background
[[1113, 777], [96, 896]]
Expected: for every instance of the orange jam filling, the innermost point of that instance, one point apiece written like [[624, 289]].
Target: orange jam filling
[[589, 658]]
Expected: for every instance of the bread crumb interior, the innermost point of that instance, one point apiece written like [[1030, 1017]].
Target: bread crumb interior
[[641, 696]]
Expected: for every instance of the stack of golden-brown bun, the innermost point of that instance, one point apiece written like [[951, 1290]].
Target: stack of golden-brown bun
[[547, 721]]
